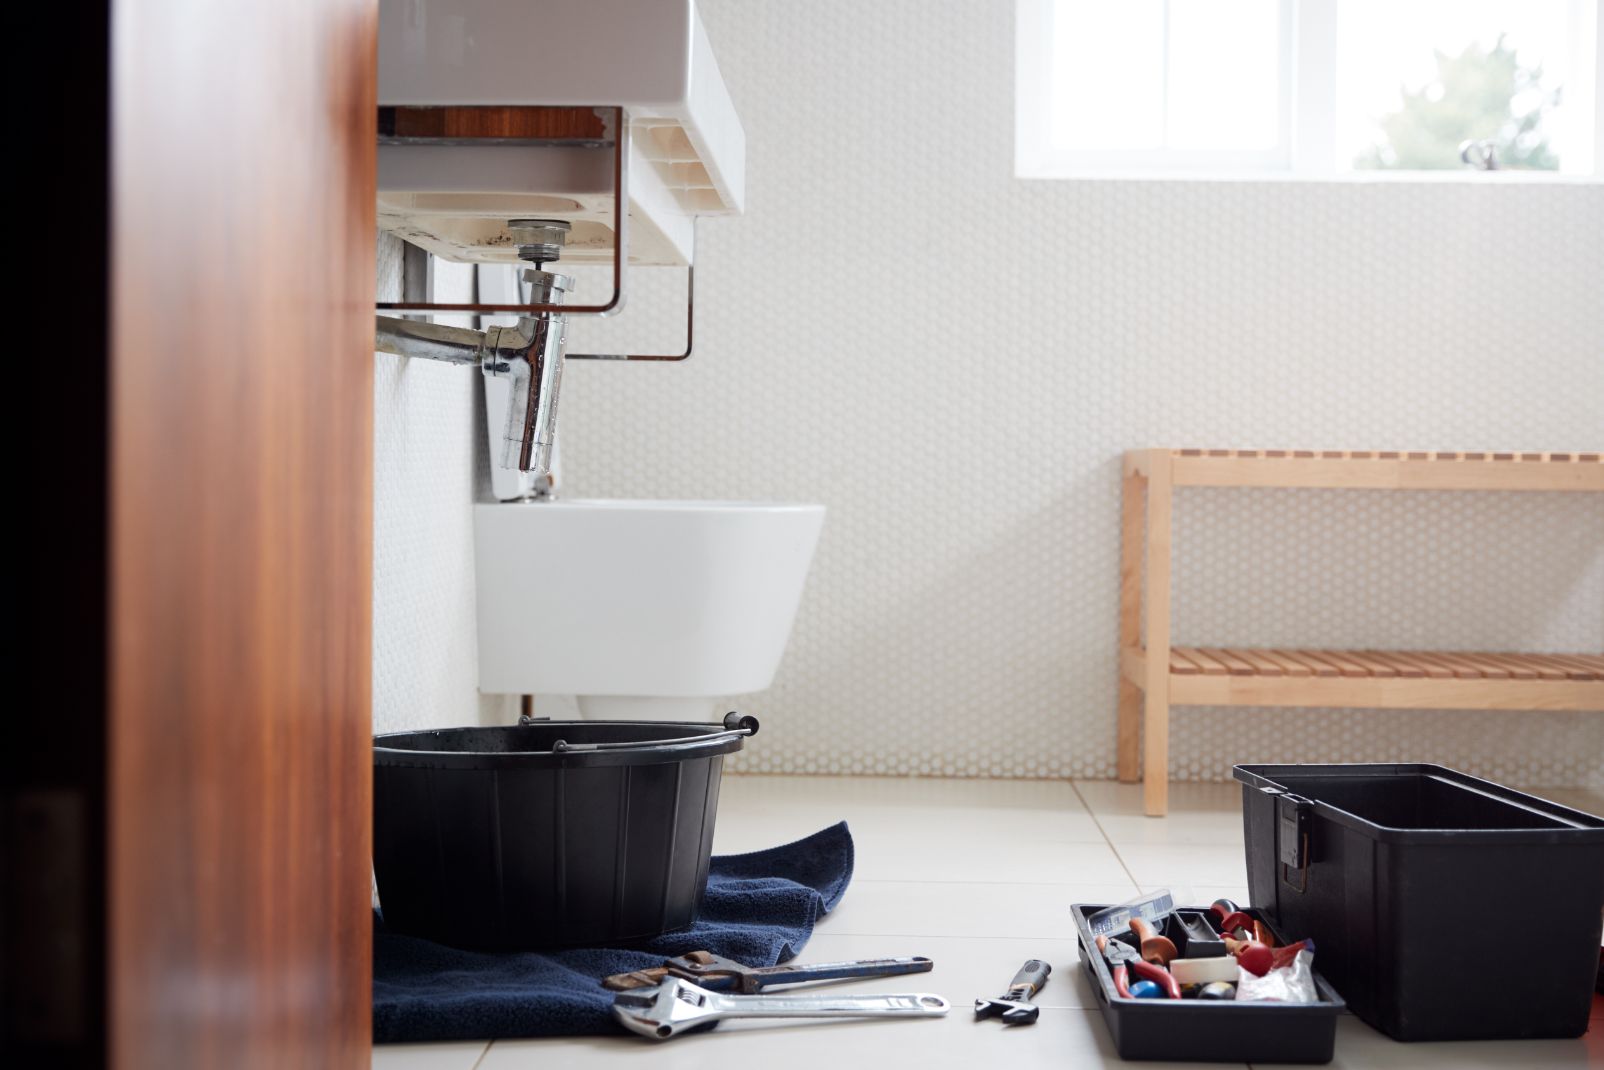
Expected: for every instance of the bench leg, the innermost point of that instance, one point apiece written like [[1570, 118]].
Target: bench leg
[[1156, 753], [1132, 540], [1156, 625], [1130, 732]]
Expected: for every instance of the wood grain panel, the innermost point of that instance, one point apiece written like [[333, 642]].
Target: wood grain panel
[[241, 486], [1389, 693], [493, 122], [1389, 470], [1398, 679]]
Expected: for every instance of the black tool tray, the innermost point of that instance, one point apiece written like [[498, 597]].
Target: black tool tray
[[1194, 1030]]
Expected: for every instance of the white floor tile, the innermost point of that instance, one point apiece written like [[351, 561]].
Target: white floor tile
[[912, 908], [1062, 1038], [452, 1055], [1185, 827], [1359, 1046], [997, 860], [1106, 797], [1187, 863], [786, 791], [753, 827], [1023, 831], [965, 968]]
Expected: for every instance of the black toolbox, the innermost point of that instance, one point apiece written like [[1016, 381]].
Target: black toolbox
[[1442, 906], [1191, 1030]]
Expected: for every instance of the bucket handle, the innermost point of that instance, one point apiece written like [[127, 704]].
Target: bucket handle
[[735, 724]]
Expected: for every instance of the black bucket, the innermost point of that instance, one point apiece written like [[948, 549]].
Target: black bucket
[[547, 834]]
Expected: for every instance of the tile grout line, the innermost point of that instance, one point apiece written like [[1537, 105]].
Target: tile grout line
[[1115, 848], [1112, 846], [950, 936], [1033, 884]]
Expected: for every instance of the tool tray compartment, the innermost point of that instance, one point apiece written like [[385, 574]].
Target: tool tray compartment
[[1194, 1030], [1445, 907]]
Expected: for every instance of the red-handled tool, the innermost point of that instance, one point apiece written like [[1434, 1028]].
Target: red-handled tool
[[1159, 950], [1246, 937], [1251, 955], [1123, 960], [1237, 924]]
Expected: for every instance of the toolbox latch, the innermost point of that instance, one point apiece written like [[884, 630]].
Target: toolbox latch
[[1293, 815]]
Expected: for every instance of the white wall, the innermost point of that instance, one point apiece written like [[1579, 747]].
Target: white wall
[[428, 466], [953, 359]]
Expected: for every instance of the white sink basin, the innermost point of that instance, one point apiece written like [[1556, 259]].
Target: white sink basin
[[638, 598]]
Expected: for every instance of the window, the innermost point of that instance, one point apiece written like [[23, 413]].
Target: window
[[1316, 88]]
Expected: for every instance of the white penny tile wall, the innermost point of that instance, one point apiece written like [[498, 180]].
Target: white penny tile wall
[[428, 457], [952, 360]]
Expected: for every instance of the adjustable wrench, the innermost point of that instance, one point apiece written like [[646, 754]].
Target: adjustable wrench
[[718, 974], [677, 1006], [1014, 1006]]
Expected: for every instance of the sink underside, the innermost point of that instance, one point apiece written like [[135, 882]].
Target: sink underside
[[638, 597]]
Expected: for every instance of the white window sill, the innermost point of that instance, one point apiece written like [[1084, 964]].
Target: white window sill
[[1379, 178]]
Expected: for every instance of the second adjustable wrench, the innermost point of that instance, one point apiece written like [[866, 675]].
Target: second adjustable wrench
[[1015, 1006]]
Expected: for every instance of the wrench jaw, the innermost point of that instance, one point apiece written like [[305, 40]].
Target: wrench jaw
[[1011, 1011], [668, 1010], [718, 974]]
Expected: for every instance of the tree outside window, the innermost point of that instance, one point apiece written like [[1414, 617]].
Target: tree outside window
[[1482, 94]]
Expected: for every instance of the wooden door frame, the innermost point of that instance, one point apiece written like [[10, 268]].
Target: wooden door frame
[[196, 437]]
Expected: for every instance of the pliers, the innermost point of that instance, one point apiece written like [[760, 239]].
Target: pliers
[[1123, 960]]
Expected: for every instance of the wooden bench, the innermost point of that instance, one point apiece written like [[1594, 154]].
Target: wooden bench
[[1154, 675]]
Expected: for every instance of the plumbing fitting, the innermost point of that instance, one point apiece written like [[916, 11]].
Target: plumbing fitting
[[528, 355], [539, 241]]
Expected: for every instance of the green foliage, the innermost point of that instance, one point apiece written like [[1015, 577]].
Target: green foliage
[[1471, 99]]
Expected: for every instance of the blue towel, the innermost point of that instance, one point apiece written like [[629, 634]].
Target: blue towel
[[760, 909]]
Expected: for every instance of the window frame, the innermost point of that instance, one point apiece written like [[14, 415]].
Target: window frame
[[1307, 111]]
